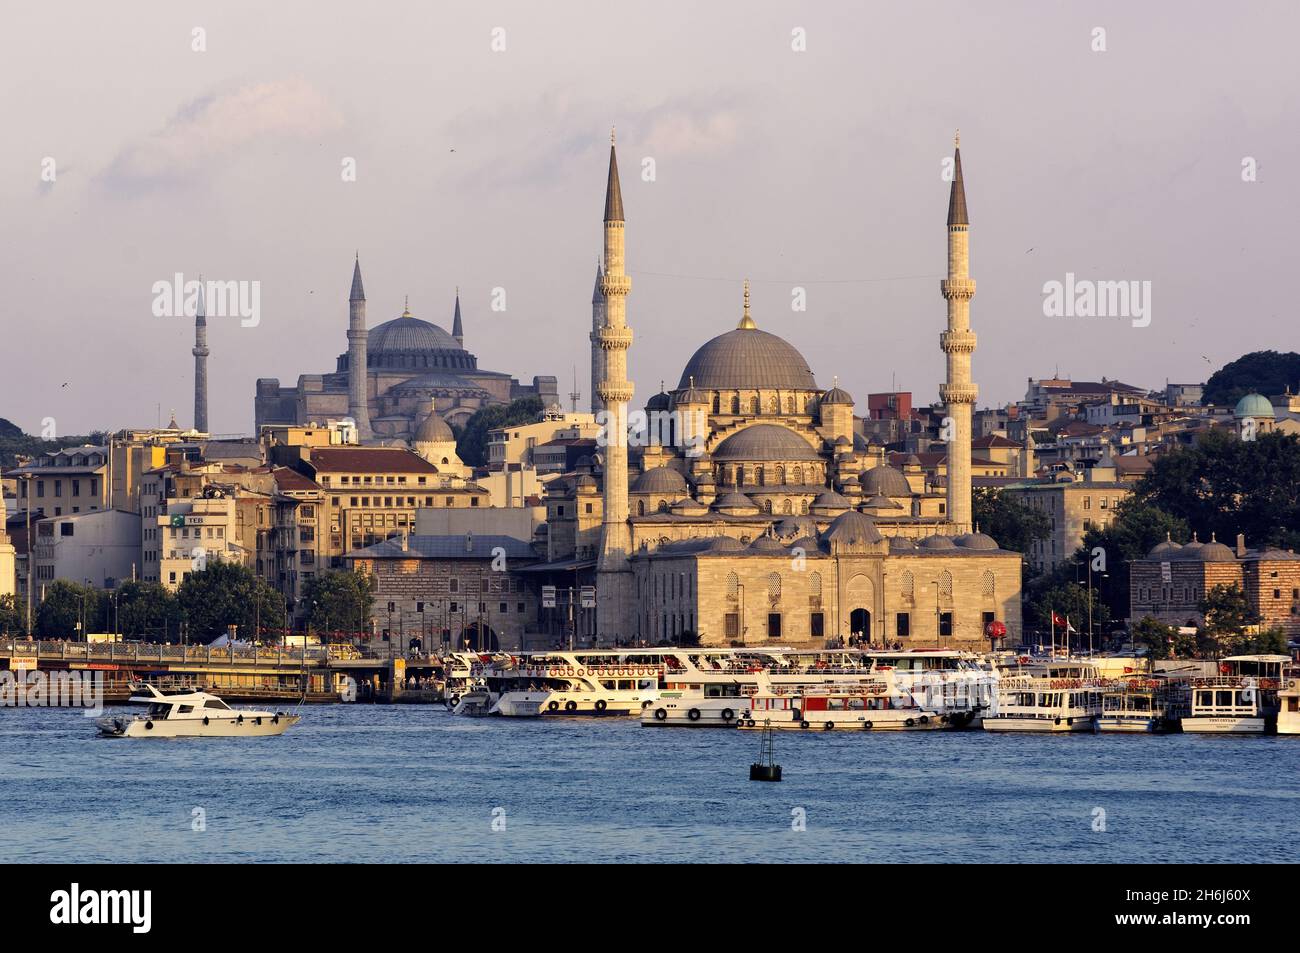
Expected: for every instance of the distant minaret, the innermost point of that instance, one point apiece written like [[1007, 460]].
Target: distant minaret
[[958, 342], [358, 408], [613, 569], [597, 354], [200, 352], [457, 329]]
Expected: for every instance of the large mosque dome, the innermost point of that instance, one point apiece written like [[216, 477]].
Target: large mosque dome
[[748, 359], [410, 334]]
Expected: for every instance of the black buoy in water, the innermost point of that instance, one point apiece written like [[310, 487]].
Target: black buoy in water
[[765, 769]]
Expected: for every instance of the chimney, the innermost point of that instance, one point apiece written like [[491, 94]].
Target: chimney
[[1241, 545]]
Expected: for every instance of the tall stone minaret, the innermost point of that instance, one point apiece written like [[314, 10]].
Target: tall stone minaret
[[597, 353], [200, 352], [458, 329], [614, 607], [358, 408], [958, 342]]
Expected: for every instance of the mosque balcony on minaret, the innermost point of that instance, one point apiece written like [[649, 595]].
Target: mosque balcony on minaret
[[614, 339], [957, 342], [958, 393], [615, 284], [958, 287], [616, 392]]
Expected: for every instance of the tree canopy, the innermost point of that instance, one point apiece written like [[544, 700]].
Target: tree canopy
[[339, 600], [1266, 372], [224, 594], [471, 445], [1012, 522]]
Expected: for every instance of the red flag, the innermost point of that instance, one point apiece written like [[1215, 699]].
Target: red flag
[[1057, 619]]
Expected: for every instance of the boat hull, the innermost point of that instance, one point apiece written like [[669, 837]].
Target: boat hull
[[849, 721], [1225, 725], [694, 712], [1041, 725], [1150, 726], [263, 726]]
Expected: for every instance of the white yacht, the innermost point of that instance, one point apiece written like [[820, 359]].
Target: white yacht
[[1241, 700], [192, 715], [1049, 696]]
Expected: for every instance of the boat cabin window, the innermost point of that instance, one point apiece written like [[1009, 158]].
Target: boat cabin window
[[216, 703], [186, 709], [159, 711]]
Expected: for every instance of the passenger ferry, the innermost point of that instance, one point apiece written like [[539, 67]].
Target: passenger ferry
[[871, 706], [1288, 714], [551, 684], [1049, 696], [1150, 705], [958, 685], [192, 715], [1241, 700]]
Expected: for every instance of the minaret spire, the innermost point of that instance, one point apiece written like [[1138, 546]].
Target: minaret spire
[[615, 606], [958, 392], [358, 336], [746, 322], [200, 352], [457, 329]]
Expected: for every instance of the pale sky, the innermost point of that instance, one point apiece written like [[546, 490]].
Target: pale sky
[[484, 169]]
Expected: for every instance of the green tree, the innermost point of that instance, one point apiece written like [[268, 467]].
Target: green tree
[[1163, 641], [223, 594], [148, 611], [1227, 613], [1013, 523], [65, 607], [1135, 530], [339, 600], [1265, 372], [1225, 485], [1059, 593], [13, 620], [471, 446]]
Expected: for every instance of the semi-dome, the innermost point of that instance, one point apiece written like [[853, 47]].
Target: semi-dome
[[852, 531], [409, 334], [434, 430], [748, 359], [884, 480], [1254, 405], [660, 480], [765, 442]]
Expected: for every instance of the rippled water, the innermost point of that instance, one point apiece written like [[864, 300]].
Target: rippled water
[[413, 783]]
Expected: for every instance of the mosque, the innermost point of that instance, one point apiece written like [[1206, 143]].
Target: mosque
[[393, 377], [761, 514]]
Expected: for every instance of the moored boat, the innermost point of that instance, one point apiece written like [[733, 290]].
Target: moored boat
[[1241, 700], [1052, 696], [192, 715], [1143, 705]]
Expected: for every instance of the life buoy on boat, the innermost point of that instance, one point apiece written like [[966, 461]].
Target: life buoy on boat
[[205, 720], [803, 724], [828, 726], [660, 714], [553, 706], [601, 704], [693, 714], [910, 722], [925, 719], [570, 706], [239, 720], [867, 726], [148, 725], [728, 714]]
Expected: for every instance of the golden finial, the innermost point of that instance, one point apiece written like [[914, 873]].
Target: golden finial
[[746, 321], [406, 307]]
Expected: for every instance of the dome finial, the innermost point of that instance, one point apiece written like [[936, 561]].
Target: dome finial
[[406, 306], [746, 321], [956, 139]]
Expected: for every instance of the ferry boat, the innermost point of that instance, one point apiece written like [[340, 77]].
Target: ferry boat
[[871, 706], [1288, 695], [959, 686], [1241, 700], [1150, 705], [192, 715], [557, 684], [1049, 696]]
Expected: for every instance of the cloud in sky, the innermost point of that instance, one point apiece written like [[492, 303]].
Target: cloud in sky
[[212, 128]]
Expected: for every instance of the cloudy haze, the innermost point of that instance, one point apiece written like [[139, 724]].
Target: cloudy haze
[[483, 169]]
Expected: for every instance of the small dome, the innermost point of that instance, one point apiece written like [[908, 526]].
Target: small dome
[[793, 527], [808, 544], [688, 507], [884, 480], [1216, 552], [726, 544], [829, 499], [976, 541], [882, 503], [692, 394], [660, 480], [658, 402], [1164, 550], [836, 395], [1254, 405], [585, 482], [736, 501], [937, 543], [705, 479], [766, 544], [434, 430], [765, 442], [912, 460], [1190, 550], [852, 531], [901, 544], [843, 441]]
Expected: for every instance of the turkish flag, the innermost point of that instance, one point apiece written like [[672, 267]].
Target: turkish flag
[[1057, 619]]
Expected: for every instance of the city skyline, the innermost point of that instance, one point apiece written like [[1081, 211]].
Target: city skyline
[[760, 173]]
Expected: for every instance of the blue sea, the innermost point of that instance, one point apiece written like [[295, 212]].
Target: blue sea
[[413, 783]]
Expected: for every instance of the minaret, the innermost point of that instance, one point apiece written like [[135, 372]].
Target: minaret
[[614, 607], [200, 352], [597, 355], [358, 408], [958, 342], [457, 329]]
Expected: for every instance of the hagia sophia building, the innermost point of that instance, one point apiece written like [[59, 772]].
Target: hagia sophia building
[[761, 515]]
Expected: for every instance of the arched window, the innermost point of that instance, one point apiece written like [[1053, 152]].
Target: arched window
[[773, 407], [740, 475], [753, 405], [760, 477], [735, 405], [987, 585], [640, 507], [945, 584], [774, 587], [796, 475], [733, 586], [767, 506], [663, 506], [808, 405], [789, 405], [717, 403], [786, 507], [803, 507]]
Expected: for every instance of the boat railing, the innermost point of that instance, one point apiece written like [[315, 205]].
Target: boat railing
[[1235, 681]]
